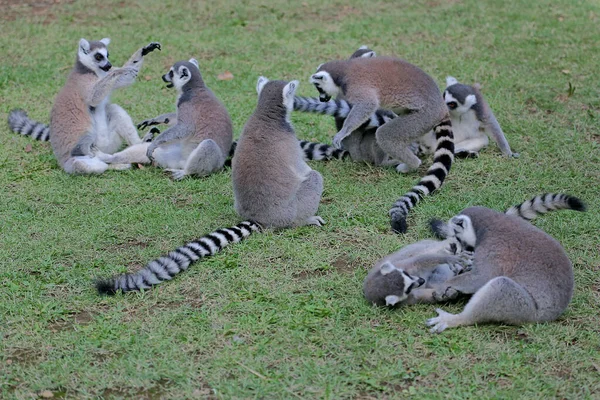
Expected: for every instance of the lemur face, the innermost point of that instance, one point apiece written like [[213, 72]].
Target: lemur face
[[179, 74], [462, 226], [459, 98], [94, 55], [325, 85], [395, 284]]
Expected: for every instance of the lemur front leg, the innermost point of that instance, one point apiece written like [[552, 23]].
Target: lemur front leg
[[168, 119], [492, 129], [361, 112], [176, 132], [137, 59]]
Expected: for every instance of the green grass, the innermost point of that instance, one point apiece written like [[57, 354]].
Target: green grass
[[282, 314]]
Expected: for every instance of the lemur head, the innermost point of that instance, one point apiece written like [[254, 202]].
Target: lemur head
[[276, 94], [458, 97], [363, 52], [94, 56], [181, 73], [462, 228], [387, 285], [325, 82]]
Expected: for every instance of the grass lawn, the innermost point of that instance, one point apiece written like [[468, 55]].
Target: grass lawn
[[282, 314]]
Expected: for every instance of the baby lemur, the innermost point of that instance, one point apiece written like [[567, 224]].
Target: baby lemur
[[273, 188], [434, 261], [83, 121], [200, 136]]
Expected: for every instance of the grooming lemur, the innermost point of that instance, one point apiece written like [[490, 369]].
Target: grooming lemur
[[201, 133], [395, 278], [83, 120], [273, 187], [520, 274], [394, 84]]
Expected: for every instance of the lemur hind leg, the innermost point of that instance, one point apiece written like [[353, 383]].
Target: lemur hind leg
[[204, 160], [132, 154], [121, 123], [308, 198], [499, 300], [85, 165], [396, 136], [470, 148]]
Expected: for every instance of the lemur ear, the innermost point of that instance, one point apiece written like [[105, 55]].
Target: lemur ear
[[319, 67], [290, 89], [260, 84], [84, 46], [391, 300], [470, 100], [105, 40], [387, 268], [195, 62], [451, 81], [184, 72], [369, 54], [363, 47]]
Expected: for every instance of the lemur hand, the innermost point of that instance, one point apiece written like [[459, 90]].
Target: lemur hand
[[337, 139], [150, 48]]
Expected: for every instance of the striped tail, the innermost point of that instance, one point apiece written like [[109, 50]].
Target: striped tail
[[166, 267], [321, 151], [544, 203], [19, 122], [442, 161], [340, 110], [230, 156]]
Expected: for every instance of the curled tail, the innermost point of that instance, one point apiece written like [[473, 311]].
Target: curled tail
[[166, 267], [340, 110], [19, 122], [436, 174], [321, 151], [544, 203]]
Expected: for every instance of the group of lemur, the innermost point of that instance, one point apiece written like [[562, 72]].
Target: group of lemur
[[388, 112]]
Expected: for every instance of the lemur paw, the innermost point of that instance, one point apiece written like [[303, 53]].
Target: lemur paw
[[405, 168], [150, 48], [337, 139], [448, 294], [177, 174], [441, 322], [515, 155], [316, 220], [149, 137], [465, 154]]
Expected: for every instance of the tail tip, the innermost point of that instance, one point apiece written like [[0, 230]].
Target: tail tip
[[576, 204], [399, 224], [105, 287]]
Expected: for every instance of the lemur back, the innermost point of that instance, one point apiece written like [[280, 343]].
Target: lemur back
[[272, 183]]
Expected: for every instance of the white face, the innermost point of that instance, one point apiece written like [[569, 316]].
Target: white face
[[462, 226], [97, 59], [177, 77], [455, 107], [325, 85], [410, 283]]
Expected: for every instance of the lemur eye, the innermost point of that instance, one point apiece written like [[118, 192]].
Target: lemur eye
[[98, 57], [452, 105]]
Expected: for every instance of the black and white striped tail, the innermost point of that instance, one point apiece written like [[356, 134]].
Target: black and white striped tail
[[166, 267], [544, 203], [19, 122], [340, 109], [321, 151], [230, 156], [442, 161]]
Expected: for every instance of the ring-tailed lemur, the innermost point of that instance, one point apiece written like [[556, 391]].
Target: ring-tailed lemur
[[383, 286], [473, 122], [520, 274], [83, 120], [273, 186], [272, 183], [394, 84], [201, 133]]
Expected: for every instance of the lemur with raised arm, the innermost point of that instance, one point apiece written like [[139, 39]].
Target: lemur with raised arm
[[273, 187], [83, 121], [200, 134]]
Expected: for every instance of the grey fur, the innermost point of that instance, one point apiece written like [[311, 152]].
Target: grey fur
[[200, 135], [83, 122], [272, 183], [520, 275], [384, 82]]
